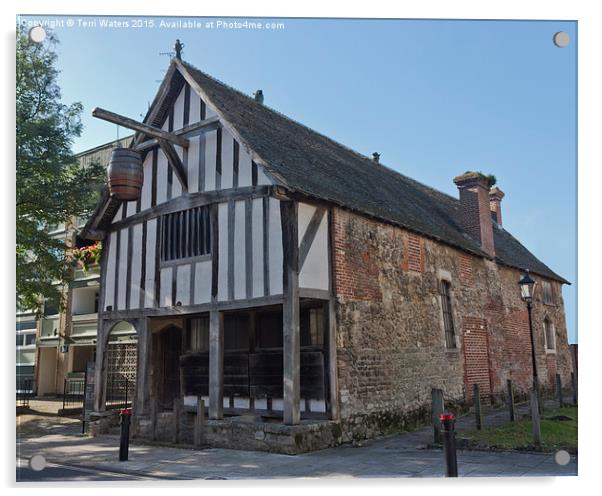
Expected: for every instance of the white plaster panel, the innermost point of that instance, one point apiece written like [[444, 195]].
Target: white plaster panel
[[240, 286], [111, 270], [305, 213], [165, 298], [149, 279], [183, 284], [136, 266], [227, 160], [222, 278], [178, 114], [202, 282], [314, 273], [257, 235], [210, 150], [176, 189], [262, 179], [122, 269], [244, 168], [161, 177], [195, 107], [275, 248], [147, 185], [193, 164]]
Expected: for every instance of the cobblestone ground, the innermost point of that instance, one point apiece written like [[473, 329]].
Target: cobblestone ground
[[404, 455]]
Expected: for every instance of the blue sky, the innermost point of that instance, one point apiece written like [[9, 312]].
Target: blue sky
[[434, 98]]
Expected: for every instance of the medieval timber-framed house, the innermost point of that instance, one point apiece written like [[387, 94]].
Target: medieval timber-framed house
[[307, 293]]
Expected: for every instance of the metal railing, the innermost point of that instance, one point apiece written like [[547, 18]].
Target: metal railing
[[25, 391], [74, 392], [120, 392]]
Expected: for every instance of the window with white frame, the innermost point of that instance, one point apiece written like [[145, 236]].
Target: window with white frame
[[548, 296], [549, 335], [448, 319]]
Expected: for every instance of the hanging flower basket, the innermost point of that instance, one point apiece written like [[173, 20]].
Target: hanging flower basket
[[87, 257]]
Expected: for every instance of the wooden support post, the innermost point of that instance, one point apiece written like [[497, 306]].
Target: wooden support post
[[154, 420], [199, 422], [476, 396], [535, 421], [143, 376], [216, 365], [574, 387], [331, 331], [177, 412], [291, 333], [559, 391], [437, 410], [100, 377], [510, 397]]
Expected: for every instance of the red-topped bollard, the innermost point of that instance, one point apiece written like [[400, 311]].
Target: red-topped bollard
[[124, 440], [448, 421]]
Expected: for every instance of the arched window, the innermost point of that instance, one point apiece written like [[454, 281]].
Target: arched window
[[549, 335]]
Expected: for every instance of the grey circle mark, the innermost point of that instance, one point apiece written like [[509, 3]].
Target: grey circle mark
[[37, 463], [562, 457], [37, 34], [561, 39]]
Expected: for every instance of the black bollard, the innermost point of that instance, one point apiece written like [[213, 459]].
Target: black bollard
[[448, 421], [124, 440]]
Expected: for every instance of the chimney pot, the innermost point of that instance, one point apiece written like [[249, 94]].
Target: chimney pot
[[475, 213], [495, 204], [258, 95]]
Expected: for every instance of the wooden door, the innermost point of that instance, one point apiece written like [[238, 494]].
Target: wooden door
[[171, 344]]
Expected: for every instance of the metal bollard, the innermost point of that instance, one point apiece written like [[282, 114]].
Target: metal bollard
[[124, 439], [448, 422]]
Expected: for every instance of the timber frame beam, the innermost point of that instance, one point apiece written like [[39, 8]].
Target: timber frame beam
[[174, 161], [145, 129], [187, 132]]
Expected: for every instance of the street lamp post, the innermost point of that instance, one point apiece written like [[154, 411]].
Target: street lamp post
[[527, 285]]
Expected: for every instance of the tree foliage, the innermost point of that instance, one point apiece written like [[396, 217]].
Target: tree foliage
[[51, 186]]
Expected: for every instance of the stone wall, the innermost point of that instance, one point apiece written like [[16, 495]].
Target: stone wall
[[391, 347]]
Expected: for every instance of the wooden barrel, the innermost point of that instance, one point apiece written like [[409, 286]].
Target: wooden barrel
[[125, 174]]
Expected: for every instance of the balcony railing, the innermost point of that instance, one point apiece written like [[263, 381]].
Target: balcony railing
[[49, 325], [92, 273]]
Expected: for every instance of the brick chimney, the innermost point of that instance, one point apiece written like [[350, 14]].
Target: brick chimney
[[495, 204], [475, 213]]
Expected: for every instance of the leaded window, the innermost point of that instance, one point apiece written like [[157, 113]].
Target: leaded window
[[185, 234], [548, 297], [448, 319], [548, 328]]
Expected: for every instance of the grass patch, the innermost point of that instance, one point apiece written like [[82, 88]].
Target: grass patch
[[555, 434]]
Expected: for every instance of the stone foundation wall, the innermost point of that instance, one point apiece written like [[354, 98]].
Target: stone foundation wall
[[245, 433], [391, 347]]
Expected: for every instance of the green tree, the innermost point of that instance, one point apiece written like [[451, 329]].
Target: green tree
[[51, 185]]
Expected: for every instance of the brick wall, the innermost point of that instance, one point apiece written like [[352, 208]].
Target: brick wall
[[476, 356], [390, 335]]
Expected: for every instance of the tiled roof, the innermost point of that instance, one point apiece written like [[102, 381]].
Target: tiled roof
[[307, 162]]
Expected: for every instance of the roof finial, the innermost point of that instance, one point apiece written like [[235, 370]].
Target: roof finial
[[258, 95], [178, 48], [376, 157]]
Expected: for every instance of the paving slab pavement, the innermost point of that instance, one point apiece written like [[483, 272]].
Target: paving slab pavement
[[401, 455]]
